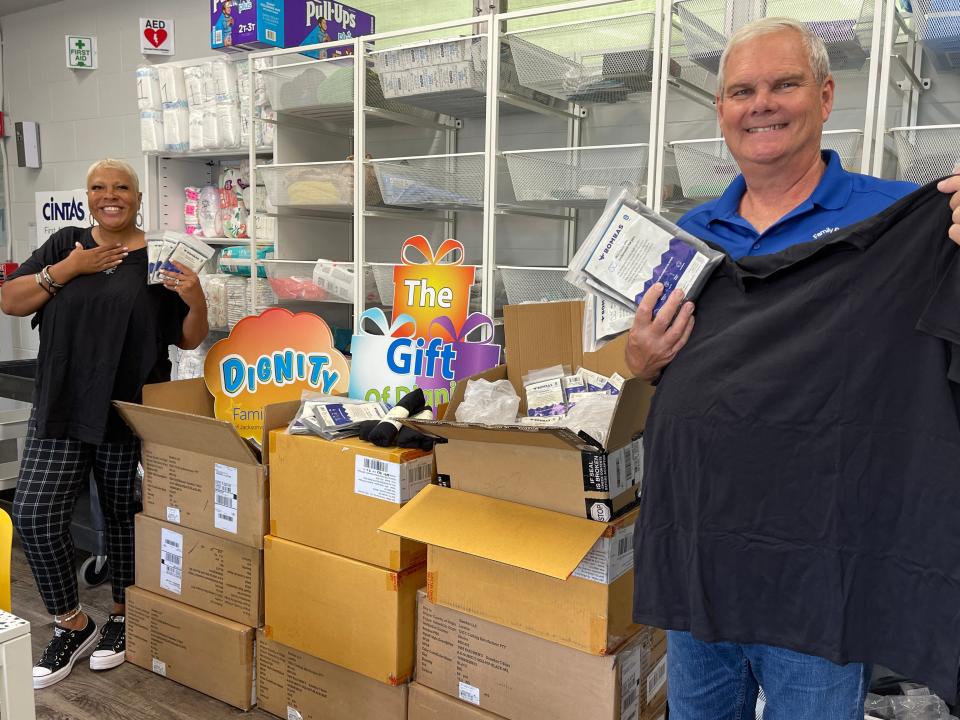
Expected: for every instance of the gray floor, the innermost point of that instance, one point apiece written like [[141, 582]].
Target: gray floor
[[125, 693]]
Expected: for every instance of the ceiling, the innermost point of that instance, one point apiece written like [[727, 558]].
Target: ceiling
[[8, 7]]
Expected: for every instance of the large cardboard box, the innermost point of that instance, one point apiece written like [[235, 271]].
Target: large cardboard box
[[197, 471], [551, 468], [292, 684], [427, 704], [353, 614], [353, 487], [522, 677], [195, 648], [565, 579], [207, 572]]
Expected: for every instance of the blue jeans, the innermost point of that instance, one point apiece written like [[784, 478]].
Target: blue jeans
[[720, 681]]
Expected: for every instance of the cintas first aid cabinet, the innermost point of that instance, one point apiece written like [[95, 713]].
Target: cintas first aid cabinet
[[507, 131]]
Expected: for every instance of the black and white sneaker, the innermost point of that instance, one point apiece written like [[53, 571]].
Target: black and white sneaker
[[112, 646], [66, 647]]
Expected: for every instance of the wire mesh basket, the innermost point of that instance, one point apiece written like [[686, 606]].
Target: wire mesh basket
[[316, 186], [313, 84], [537, 284], [570, 175], [432, 180], [937, 23], [926, 153], [845, 26], [706, 167], [587, 61]]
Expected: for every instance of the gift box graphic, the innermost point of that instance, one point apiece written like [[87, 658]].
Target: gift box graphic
[[435, 284], [371, 376], [472, 355]]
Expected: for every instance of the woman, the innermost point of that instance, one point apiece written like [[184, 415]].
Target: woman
[[104, 333]]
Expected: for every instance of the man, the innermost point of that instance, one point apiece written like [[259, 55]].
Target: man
[[775, 93]]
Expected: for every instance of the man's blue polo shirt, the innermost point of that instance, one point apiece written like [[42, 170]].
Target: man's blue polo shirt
[[840, 199]]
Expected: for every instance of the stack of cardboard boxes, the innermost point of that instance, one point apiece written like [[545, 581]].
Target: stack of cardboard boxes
[[527, 612], [340, 597], [198, 600]]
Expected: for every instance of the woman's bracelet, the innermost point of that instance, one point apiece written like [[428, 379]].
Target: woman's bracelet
[[50, 281], [40, 280]]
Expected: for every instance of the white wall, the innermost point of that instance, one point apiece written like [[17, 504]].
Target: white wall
[[84, 115]]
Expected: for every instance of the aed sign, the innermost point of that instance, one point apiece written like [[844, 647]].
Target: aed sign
[[81, 52], [156, 36], [270, 358]]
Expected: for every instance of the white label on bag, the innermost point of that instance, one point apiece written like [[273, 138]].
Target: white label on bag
[[657, 678], [469, 693], [390, 481], [630, 682], [173, 515], [225, 498], [171, 560], [159, 667]]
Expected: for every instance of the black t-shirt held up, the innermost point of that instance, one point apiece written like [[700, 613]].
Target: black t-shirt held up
[[102, 337], [802, 453]]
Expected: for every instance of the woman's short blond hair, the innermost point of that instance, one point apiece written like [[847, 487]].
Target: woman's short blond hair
[[114, 164], [813, 44]]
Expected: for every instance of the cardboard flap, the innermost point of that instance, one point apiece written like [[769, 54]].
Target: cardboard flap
[[538, 540], [554, 438], [539, 335], [630, 415], [276, 415], [189, 396], [187, 431]]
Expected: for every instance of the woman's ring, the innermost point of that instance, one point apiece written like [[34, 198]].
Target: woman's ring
[[177, 283]]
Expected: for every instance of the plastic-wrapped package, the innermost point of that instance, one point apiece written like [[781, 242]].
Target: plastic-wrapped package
[[191, 206], [235, 260], [176, 129], [630, 248], [592, 414], [225, 82], [211, 128], [208, 84], [489, 403], [544, 391], [173, 88], [228, 124], [195, 123], [151, 131], [211, 223], [919, 707], [148, 88], [193, 81], [215, 291]]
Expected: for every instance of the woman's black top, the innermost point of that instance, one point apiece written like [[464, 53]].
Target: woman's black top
[[102, 337]]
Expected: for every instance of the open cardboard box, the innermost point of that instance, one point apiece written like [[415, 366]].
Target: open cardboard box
[[551, 468], [562, 578], [193, 462]]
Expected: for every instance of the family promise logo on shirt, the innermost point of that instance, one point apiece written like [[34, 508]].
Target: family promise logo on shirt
[[825, 231]]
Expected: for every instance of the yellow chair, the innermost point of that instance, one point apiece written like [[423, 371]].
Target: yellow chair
[[6, 541]]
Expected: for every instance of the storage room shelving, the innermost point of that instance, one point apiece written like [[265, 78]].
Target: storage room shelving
[[516, 158]]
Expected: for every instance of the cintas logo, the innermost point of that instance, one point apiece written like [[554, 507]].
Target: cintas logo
[[331, 11], [69, 210]]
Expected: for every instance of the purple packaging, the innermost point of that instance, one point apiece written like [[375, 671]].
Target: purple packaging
[[257, 24]]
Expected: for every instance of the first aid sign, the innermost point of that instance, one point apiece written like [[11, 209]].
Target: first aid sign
[[156, 36]]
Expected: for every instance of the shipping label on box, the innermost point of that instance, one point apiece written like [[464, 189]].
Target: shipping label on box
[[610, 558], [392, 481], [205, 571]]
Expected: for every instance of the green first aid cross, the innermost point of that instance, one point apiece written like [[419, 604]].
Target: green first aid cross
[[80, 52]]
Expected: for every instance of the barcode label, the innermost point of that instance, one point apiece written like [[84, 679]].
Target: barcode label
[[657, 678], [225, 502], [159, 667], [218, 37], [171, 560], [625, 467], [610, 557], [293, 714], [630, 682], [270, 35], [390, 481], [469, 693], [173, 515], [623, 545]]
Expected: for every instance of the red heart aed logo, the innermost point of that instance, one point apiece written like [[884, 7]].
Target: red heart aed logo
[[155, 37]]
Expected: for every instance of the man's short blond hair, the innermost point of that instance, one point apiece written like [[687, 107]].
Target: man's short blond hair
[[114, 164], [814, 45]]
